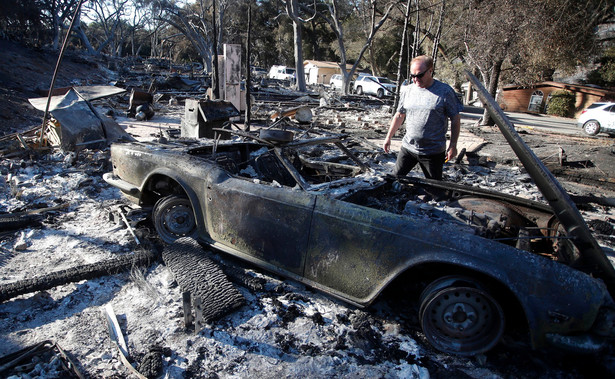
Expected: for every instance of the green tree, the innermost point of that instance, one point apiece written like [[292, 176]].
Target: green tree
[[22, 20], [604, 74], [561, 104], [526, 40]]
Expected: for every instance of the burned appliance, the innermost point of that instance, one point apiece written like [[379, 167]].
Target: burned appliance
[[140, 105], [201, 117]]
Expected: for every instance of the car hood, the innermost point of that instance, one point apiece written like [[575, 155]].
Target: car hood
[[565, 210]]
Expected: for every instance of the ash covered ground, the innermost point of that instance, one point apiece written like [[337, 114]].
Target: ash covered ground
[[284, 329]]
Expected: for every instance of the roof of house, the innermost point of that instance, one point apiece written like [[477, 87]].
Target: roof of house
[[322, 64]]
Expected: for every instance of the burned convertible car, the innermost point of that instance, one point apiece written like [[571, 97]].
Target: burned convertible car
[[311, 210]]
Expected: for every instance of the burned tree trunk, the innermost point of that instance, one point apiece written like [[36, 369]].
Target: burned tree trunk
[[402, 48], [492, 87], [76, 274]]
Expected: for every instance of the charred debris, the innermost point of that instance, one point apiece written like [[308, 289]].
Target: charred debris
[[83, 120], [82, 125]]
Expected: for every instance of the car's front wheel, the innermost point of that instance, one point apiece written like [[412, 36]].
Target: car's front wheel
[[459, 317], [174, 218], [591, 127], [380, 93], [359, 90]]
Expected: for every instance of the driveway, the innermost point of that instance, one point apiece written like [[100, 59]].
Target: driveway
[[569, 153], [541, 122]]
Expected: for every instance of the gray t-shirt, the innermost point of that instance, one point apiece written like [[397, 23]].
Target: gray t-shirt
[[427, 112]]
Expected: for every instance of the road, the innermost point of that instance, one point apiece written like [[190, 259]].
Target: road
[[589, 159], [541, 122]]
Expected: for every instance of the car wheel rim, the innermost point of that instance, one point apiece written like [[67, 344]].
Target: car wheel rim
[[592, 127], [462, 320], [174, 218], [178, 219]]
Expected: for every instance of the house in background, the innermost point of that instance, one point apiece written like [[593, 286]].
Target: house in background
[[320, 72], [536, 98]]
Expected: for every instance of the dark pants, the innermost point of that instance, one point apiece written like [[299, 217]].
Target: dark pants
[[430, 164]]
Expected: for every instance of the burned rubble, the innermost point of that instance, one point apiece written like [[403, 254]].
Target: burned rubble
[[283, 327], [345, 343]]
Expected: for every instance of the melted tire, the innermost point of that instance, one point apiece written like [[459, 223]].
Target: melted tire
[[240, 277], [202, 277], [152, 364]]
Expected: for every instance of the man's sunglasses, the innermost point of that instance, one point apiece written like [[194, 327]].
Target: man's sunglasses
[[418, 76]]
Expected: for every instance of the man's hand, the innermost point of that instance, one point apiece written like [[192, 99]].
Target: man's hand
[[451, 153], [386, 145], [455, 130], [396, 121]]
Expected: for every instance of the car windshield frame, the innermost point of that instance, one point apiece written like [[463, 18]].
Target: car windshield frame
[[283, 150]]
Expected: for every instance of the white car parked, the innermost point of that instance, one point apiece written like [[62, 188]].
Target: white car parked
[[281, 72], [374, 85], [336, 81], [598, 117]]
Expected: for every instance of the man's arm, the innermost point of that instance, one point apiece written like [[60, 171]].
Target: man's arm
[[451, 152], [396, 121]]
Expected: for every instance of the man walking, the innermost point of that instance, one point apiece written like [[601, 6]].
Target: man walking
[[426, 106]]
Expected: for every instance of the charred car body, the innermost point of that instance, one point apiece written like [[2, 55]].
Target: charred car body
[[310, 210], [324, 223]]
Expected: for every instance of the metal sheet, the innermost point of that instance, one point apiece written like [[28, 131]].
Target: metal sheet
[[85, 92], [98, 92], [78, 123], [564, 208], [216, 110], [232, 74]]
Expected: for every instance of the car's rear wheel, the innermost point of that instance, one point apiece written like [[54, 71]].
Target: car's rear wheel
[[174, 218], [459, 317], [591, 127], [359, 90], [380, 93]]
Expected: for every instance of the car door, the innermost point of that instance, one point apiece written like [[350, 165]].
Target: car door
[[269, 223], [354, 249], [609, 114]]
